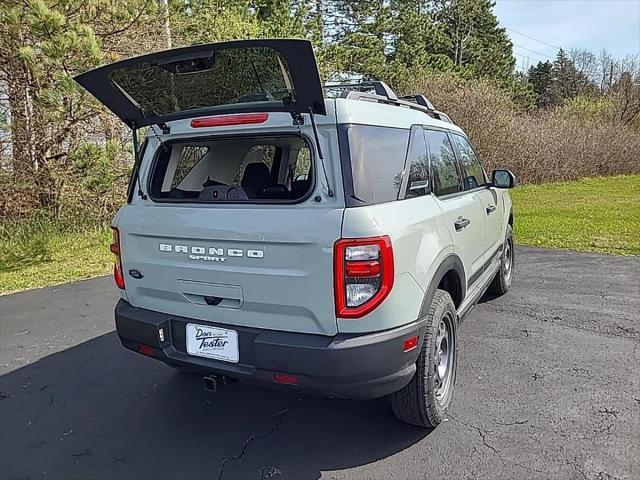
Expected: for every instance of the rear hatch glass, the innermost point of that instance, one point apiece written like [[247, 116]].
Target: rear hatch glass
[[225, 77], [228, 77], [233, 170]]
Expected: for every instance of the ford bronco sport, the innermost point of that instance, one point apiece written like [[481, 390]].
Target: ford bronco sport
[[323, 240]]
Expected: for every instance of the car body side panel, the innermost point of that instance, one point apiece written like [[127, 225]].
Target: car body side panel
[[420, 241], [469, 242]]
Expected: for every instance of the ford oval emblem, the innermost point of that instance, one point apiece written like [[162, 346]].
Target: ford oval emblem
[[136, 274]]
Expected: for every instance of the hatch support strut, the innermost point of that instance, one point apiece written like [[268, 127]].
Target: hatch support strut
[[135, 174], [320, 156]]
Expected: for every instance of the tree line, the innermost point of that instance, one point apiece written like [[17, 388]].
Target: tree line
[[61, 152]]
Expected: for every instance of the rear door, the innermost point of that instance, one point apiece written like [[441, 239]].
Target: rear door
[[475, 180], [263, 262], [229, 77], [463, 212]]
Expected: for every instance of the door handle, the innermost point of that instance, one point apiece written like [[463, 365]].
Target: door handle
[[461, 223], [491, 209]]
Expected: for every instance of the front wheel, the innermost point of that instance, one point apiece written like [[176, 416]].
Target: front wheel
[[502, 281], [425, 400]]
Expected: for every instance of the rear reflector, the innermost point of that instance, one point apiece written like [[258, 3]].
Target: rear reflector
[[363, 269], [411, 343], [117, 276], [147, 350], [117, 268], [227, 120], [285, 379]]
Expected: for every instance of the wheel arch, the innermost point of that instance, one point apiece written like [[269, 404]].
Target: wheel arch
[[449, 275]]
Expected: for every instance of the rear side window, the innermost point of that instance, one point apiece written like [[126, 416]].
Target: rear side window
[[474, 175], [446, 177], [243, 169], [418, 164], [377, 158]]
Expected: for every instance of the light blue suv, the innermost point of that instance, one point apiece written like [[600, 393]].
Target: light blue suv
[[327, 240]]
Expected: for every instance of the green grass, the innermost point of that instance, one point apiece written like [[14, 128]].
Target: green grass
[[597, 215], [594, 214], [38, 257]]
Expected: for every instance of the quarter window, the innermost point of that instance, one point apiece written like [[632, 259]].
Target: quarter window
[[474, 173], [377, 158], [446, 178]]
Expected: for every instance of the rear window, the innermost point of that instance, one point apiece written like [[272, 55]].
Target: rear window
[[377, 157], [233, 170]]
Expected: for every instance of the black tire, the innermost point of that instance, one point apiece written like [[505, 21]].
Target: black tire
[[502, 281], [423, 402]]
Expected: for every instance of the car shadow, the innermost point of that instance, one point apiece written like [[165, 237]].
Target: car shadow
[[488, 297], [98, 411]]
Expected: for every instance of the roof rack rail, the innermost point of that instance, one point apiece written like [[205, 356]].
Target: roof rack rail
[[382, 93]]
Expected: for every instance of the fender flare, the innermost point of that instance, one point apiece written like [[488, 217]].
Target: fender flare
[[451, 262]]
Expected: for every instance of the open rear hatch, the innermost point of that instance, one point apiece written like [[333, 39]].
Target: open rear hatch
[[260, 259], [229, 77]]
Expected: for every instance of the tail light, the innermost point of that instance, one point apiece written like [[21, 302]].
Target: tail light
[[363, 271], [117, 268]]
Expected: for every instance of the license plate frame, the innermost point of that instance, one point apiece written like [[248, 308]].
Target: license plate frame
[[212, 342]]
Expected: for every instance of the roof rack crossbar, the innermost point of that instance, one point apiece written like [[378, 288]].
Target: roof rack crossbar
[[380, 88], [420, 100]]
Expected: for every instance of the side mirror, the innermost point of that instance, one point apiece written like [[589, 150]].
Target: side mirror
[[503, 179]]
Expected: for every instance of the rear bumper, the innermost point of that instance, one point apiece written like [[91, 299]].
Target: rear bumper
[[344, 366]]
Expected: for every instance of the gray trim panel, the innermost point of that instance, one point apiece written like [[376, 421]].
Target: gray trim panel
[[346, 365]]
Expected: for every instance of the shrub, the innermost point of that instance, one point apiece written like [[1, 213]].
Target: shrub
[[539, 146]]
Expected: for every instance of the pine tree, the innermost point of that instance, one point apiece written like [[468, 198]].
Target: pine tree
[[566, 80], [540, 77], [476, 43], [43, 44]]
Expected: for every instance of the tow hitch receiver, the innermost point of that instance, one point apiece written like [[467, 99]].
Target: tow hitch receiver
[[212, 382]]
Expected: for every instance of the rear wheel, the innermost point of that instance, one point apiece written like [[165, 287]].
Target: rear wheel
[[425, 400], [502, 281]]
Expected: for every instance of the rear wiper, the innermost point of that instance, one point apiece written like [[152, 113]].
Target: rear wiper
[[265, 92]]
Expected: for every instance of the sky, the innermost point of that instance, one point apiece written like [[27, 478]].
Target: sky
[[582, 24]]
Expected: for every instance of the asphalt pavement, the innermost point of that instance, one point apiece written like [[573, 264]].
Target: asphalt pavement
[[548, 387]]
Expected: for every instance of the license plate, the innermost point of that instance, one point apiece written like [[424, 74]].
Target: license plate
[[212, 342]]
